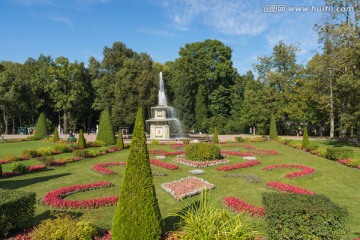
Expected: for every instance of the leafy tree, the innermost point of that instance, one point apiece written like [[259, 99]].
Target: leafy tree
[[273, 130], [215, 136], [56, 135], [41, 128], [305, 141], [120, 141], [200, 109], [137, 214], [81, 141], [106, 131]]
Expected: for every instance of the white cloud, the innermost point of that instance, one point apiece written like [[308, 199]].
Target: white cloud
[[63, 20]]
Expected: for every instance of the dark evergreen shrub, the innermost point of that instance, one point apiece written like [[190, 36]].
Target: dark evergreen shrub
[[137, 214], [81, 142], [41, 128], [56, 135], [0, 171], [215, 136], [305, 141], [273, 130], [120, 141], [106, 131], [202, 152], [296, 216], [17, 210], [335, 153]]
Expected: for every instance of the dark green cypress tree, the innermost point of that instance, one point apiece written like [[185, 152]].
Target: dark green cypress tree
[[137, 214], [41, 128], [81, 141], [215, 136], [106, 131], [273, 130], [56, 135], [305, 140], [0, 170], [120, 141]]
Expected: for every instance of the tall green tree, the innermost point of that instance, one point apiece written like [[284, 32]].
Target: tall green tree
[[106, 129], [273, 130], [200, 109], [120, 140], [137, 214], [41, 128], [56, 135], [305, 141]]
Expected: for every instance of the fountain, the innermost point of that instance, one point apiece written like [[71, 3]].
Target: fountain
[[163, 123]]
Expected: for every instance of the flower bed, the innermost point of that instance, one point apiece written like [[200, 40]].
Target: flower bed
[[354, 163], [236, 153], [177, 146], [249, 158], [196, 171], [238, 165], [156, 151], [186, 187], [304, 170], [289, 188], [199, 164], [173, 153], [263, 152], [56, 197], [31, 169], [238, 205], [165, 165], [101, 167]]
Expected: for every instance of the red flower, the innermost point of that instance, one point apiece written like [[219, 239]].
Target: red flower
[[100, 168], [289, 188], [235, 153], [239, 165], [304, 170], [238, 205], [263, 152], [36, 168], [165, 165]]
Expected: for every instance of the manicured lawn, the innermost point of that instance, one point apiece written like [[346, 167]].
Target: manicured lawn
[[338, 182]]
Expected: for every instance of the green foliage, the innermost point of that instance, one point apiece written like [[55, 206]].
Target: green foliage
[[155, 142], [202, 152], [305, 141], [29, 152], [64, 227], [19, 168], [60, 147], [17, 210], [273, 131], [41, 128], [0, 171], [56, 135], [203, 221], [335, 153], [120, 141], [106, 131], [296, 216], [200, 109], [81, 142], [215, 136], [47, 161], [185, 141], [45, 151], [137, 213], [80, 153], [239, 139]]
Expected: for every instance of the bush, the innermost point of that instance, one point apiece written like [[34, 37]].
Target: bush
[[137, 214], [106, 131], [0, 171], [17, 210], [80, 153], [202, 152], [19, 168], [56, 138], [46, 151], [295, 216], [185, 141], [239, 139], [29, 152], [305, 141], [47, 161], [64, 227], [339, 153], [273, 130], [81, 142], [60, 147], [215, 136], [41, 128], [120, 141], [155, 142]]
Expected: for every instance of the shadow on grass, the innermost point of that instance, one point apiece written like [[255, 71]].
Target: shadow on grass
[[51, 214], [339, 143], [14, 184], [171, 222]]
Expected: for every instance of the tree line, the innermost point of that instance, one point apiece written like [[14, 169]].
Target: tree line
[[202, 84]]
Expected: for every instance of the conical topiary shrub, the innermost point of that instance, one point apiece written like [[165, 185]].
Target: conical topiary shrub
[[0, 170], [305, 141], [215, 136], [81, 141], [273, 130], [137, 214], [120, 141], [41, 128], [106, 131], [56, 135]]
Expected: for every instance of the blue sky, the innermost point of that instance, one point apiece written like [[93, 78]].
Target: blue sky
[[78, 29]]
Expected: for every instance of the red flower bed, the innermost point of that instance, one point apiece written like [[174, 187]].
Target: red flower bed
[[56, 197], [238, 165], [199, 164], [238, 205], [113, 149], [156, 151], [289, 188], [172, 153], [165, 165], [263, 152], [304, 170], [31, 169], [177, 146], [235, 153], [101, 168], [249, 147]]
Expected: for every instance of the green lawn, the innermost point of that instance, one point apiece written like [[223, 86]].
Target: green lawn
[[338, 182]]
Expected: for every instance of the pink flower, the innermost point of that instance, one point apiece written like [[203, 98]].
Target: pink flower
[[263, 152], [238, 205], [37, 168], [235, 153], [165, 165], [239, 165], [101, 167], [304, 170], [289, 188]]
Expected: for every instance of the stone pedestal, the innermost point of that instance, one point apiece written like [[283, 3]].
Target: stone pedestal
[[159, 131]]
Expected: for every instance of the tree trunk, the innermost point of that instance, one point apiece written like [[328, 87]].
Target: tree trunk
[[332, 117], [65, 119], [13, 125]]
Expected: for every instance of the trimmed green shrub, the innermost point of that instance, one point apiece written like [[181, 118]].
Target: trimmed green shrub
[[29, 152], [0, 171], [106, 131], [202, 152], [215, 136], [335, 153], [137, 214], [64, 227], [305, 141], [17, 210], [19, 168], [120, 141], [47, 161], [296, 216], [185, 141], [273, 131], [45, 151], [41, 128], [56, 135], [60, 147], [80, 153], [81, 142], [239, 139]]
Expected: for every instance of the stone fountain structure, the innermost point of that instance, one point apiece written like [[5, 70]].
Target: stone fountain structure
[[163, 123]]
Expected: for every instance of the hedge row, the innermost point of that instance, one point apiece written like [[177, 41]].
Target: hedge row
[[202, 152], [339, 153]]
